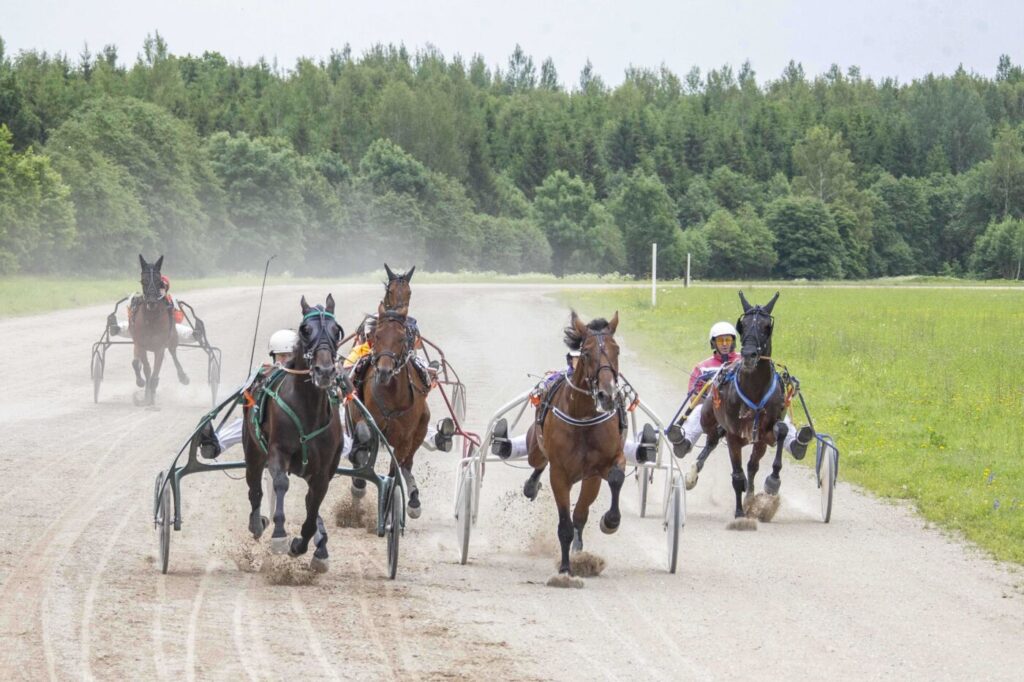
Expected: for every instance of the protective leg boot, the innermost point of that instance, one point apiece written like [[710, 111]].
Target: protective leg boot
[[500, 443]]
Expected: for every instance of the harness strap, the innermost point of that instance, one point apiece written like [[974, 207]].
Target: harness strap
[[758, 408], [304, 437]]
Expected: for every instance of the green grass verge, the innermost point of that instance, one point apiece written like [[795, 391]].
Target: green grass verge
[[922, 389]]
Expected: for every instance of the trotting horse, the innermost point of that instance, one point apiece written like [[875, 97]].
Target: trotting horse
[[396, 396], [292, 426], [748, 402], [580, 436], [151, 326]]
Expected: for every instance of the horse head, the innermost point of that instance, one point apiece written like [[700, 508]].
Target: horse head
[[150, 280], [392, 344], [598, 366], [397, 291], [755, 327], [317, 347]]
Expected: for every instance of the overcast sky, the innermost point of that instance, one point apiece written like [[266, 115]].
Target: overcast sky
[[900, 38]]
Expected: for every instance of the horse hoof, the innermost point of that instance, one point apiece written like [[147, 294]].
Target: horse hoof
[[530, 489], [742, 523], [318, 565], [358, 493], [279, 545], [564, 580], [141, 383], [183, 380], [772, 485], [691, 477], [414, 512], [606, 527], [295, 548]]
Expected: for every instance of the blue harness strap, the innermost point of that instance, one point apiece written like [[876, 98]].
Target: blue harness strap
[[758, 408]]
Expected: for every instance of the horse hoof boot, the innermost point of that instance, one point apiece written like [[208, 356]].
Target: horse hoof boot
[[295, 548], [500, 444], [279, 545], [531, 488], [606, 526], [318, 565], [414, 509], [772, 485]]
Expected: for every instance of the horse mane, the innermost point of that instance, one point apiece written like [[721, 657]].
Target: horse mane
[[572, 338]]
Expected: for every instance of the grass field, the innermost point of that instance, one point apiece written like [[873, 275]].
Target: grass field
[[922, 389]]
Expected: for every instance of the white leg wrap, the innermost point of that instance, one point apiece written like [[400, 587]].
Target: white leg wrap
[[230, 434], [691, 427], [518, 447]]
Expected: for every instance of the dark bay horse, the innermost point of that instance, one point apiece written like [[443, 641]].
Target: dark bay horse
[[580, 437], [396, 396], [397, 291], [749, 402], [293, 426], [151, 326]]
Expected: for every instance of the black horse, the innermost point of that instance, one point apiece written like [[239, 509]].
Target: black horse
[[748, 403], [151, 326], [293, 426]]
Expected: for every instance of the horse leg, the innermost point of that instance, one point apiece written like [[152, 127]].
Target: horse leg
[[414, 507], [739, 481], [588, 493], [275, 462], [538, 461], [182, 377], [319, 561], [254, 477], [753, 464], [154, 379], [612, 518], [772, 483], [314, 496], [140, 357], [561, 488]]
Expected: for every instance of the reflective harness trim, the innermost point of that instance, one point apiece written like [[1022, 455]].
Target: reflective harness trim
[[758, 408]]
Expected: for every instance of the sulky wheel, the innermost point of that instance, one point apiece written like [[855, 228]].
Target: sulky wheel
[[393, 530], [96, 369], [675, 517], [826, 476], [163, 518], [213, 376], [464, 511], [643, 482]]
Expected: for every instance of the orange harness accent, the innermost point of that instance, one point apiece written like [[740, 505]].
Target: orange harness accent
[[716, 399], [249, 401]]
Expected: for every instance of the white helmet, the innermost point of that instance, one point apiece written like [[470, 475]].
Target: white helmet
[[722, 329], [574, 352], [282, 341]]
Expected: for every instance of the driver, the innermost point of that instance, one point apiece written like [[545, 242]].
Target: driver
[[722, 339]]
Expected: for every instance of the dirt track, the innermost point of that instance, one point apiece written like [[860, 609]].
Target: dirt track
[[873, 594]]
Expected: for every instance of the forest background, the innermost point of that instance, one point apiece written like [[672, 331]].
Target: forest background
[[454, 165]]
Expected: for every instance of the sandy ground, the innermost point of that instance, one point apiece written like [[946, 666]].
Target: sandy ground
[[874, 594]]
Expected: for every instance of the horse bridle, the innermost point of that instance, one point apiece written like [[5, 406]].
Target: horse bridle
[[592, 381], [399, 360], [322, 338], [153, 285], [762, 341]]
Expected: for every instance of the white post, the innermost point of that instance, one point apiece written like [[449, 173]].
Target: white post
[[687, 270], [654, 274]]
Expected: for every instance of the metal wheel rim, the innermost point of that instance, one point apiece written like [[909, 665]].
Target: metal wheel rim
[[97, 376], [674, 518], [393, 532], [643, 481], [826, 484], [465, 509], [164, 522]]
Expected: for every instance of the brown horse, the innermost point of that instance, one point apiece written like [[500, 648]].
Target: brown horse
[[580, 436], [292, 426], [151, 326], [749, 402], [397, 291], [396, 396]]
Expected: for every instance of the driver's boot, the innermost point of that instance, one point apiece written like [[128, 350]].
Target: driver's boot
[[500, 443]]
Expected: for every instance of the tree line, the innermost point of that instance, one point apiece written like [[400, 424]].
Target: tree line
[[339, 163]]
